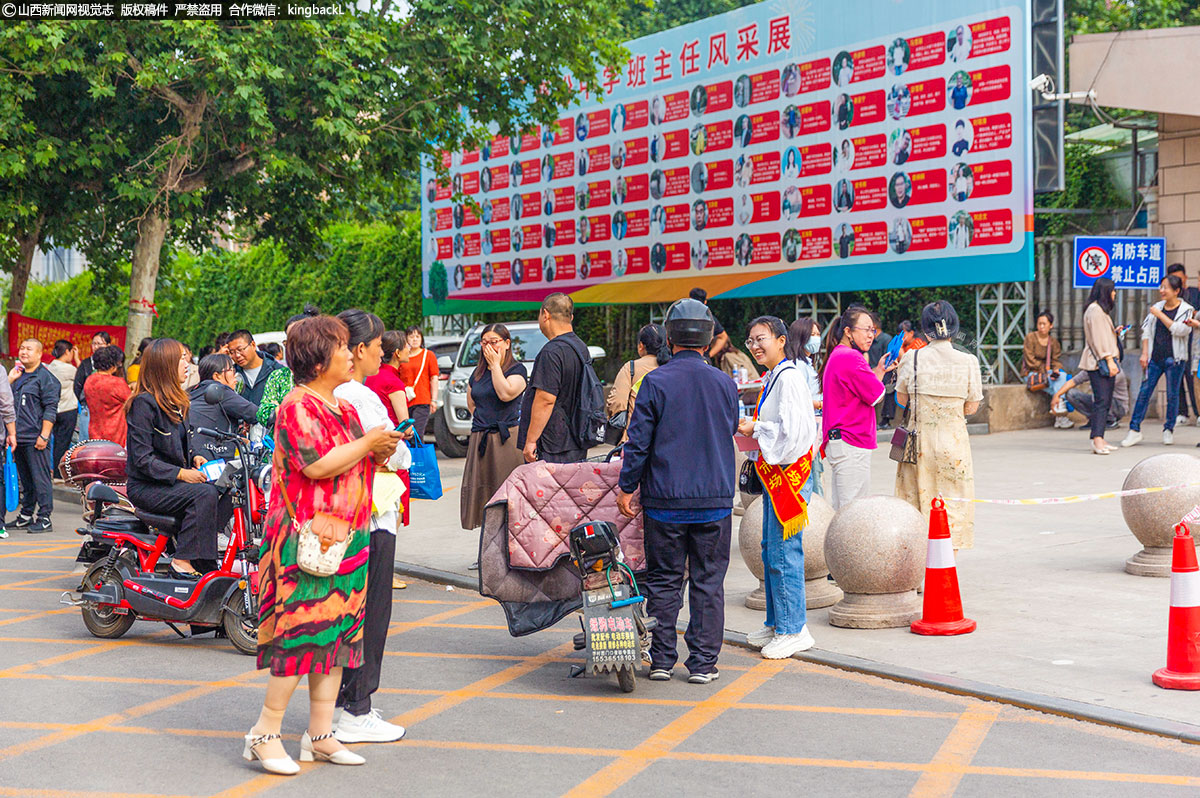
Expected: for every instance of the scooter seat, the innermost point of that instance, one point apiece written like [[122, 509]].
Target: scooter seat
[[167, 524]]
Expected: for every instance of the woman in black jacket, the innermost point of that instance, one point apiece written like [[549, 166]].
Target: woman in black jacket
[[217, 370], [160, 465]]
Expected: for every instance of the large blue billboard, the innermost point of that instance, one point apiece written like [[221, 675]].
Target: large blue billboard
[[786, 147]]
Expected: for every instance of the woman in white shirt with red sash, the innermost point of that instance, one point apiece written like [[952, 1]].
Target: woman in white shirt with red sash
[[786, 430]]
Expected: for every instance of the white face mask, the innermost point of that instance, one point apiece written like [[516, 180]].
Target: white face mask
[[813, 346]]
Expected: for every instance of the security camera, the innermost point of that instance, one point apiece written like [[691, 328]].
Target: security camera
[[1042, 83]]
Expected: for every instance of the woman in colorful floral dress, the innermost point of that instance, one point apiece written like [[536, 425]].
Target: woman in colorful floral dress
[[323, 462]]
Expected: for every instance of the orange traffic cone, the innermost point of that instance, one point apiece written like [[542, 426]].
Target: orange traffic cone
[[943, 612], [1183, 628]]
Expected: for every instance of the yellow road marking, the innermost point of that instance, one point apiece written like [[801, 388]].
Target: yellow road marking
[[404, 626], [80, 729], [36, 615], [958, 750], [481, 686], [631, 763]]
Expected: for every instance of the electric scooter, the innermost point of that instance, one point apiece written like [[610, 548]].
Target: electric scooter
[[129, 582], [616, 629]]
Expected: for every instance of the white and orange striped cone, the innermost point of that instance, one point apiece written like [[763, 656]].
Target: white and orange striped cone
[[1183, 628], [942, 613]]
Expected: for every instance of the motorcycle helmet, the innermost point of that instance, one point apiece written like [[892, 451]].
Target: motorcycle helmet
[[689, 324]]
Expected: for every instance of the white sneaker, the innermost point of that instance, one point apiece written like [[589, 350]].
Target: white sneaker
[[368, 728], [1181, 421], [1062, 422], [1060, 407], [761, 636], [1168, 437], [784, 646], [1132, 439]]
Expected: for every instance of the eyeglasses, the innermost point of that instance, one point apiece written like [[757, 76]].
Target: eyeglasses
[[239, 349], [492, 341], [759, 342], [867, 330]]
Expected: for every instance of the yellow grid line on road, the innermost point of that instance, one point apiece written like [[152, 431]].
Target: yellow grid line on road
[[953, 760], [634, 761], [958, 749]]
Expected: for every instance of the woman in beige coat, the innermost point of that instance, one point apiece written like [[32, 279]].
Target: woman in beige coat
[[940, 386], [1100, 357]]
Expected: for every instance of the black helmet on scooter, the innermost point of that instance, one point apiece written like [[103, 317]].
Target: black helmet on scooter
[[689, 324]]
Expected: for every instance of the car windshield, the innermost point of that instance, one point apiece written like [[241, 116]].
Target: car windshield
[[526, 343]]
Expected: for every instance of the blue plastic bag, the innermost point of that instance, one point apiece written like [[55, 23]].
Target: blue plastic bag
[[12, 489], [425, 481]]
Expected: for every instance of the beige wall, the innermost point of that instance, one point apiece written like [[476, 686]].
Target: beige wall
[[1148, 70], [1179, 188]]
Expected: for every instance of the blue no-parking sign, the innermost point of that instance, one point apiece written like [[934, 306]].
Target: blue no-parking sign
[[1129, 262]]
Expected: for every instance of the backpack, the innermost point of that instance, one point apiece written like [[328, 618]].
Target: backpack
[[591, 425]]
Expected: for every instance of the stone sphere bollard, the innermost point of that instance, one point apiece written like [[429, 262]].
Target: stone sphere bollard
[[1152, 517], [875, 548], [818, 591]]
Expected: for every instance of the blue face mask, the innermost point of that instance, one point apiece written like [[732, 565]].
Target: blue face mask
[[813, 346]]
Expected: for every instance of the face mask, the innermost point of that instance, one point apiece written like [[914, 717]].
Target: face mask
[[813, 346]]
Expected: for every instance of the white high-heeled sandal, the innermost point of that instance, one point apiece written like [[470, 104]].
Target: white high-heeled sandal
[[282, 766], [342, 757]]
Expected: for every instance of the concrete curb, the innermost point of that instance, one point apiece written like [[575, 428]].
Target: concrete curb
[[66, 495], [1063, 707], [437, 576]]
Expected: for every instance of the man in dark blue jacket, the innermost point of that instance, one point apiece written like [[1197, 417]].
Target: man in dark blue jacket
[[680, 453], [35, 392]]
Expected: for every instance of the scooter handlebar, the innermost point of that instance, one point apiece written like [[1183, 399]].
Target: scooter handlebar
[[214, 433]]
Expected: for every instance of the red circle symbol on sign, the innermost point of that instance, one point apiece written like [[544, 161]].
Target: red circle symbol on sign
[[1093, 262]]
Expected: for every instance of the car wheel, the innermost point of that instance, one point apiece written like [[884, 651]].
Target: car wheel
[[448, 443]]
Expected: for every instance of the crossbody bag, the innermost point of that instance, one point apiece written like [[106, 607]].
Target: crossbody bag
[[904, 439]]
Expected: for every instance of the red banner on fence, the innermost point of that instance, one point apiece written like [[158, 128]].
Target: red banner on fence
[[22, 328]]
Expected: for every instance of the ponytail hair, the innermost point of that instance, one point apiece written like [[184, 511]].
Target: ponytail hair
[[654, 338]]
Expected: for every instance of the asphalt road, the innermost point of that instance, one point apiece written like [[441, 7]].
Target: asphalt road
[[152, 714]]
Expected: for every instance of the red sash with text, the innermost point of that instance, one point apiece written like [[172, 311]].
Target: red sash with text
[[783, 484]]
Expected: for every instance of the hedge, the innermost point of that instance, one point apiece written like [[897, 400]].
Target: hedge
[[375, 267]]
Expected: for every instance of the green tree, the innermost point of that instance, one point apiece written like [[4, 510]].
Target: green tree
[[439, 287], [273, 130]]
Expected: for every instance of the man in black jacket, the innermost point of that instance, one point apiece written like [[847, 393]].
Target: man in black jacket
[[253, 365], [680, 453], [225, 414], [35, 392]]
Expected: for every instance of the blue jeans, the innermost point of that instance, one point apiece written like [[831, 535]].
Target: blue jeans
[[81, 424], [1055, 382], [818, 468], [783, 571], [1173, 370]]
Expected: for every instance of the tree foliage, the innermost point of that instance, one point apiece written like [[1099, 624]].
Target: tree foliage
[[372, 267], [271, 131]]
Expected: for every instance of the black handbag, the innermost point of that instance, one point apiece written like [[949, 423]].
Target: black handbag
[[904, 439], [619, 422], [748, 480]]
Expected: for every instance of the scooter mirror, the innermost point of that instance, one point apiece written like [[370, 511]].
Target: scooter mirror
[[212, 394]]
